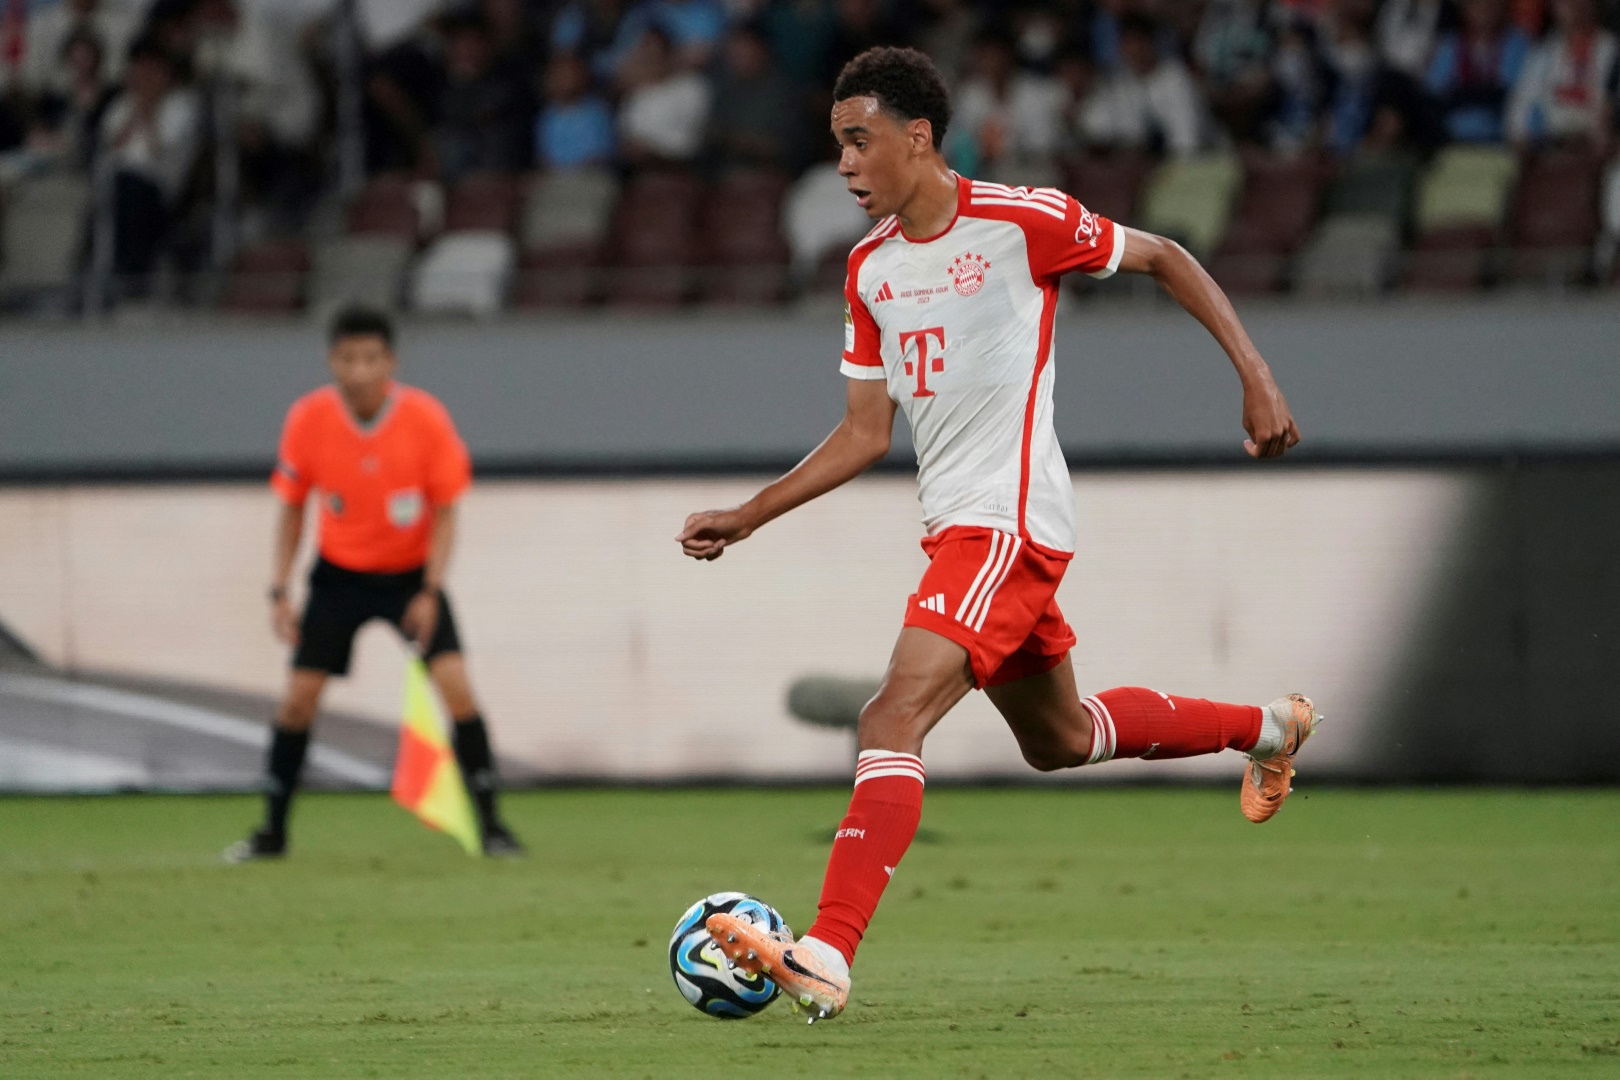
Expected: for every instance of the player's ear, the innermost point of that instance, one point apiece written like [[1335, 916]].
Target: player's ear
[[921, 134]]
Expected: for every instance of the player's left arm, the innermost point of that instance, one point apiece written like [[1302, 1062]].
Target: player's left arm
[[421, 616], [1266, 417]]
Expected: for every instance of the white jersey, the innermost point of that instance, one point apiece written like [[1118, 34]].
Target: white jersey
[[960, 325]]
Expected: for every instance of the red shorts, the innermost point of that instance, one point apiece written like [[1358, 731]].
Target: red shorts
[[996, 596]]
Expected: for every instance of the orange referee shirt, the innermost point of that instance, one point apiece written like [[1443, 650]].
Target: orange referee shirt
[[379, 482]]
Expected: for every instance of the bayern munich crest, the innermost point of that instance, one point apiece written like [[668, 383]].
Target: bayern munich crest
[[967, 273]]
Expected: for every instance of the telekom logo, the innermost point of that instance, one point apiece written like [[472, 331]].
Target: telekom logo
[[924, 363]]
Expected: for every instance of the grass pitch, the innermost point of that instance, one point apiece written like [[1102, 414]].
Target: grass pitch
[[1125, 932]]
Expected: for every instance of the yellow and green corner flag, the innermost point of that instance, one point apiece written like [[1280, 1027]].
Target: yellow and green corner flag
[[427, 781]]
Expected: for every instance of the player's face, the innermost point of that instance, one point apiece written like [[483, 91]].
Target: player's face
[[879, 156], [363, 366]]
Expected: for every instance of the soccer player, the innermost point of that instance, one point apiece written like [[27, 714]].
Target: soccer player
[[950, 302], [389, 468]]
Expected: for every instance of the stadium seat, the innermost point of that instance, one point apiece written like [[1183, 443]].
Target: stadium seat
[[1450, 259], [655, 243], [484, 202], [568, 211], [42, 235], [387, 205], [1555, 217], [565, 225], [742, 230], [268, 279], [1190, 200], [1351, 254], [1374, 184], [359, 269], [1461, 203], [1108, 184], [1465, 187], [466, 272], [1281, 198]]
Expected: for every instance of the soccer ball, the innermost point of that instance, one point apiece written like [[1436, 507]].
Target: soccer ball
[[702, 973]]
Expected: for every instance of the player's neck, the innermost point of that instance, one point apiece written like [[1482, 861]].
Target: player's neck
[[932, 207], [367, 407]]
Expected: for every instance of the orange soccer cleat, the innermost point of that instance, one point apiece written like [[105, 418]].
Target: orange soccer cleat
[[812, 974], [1267, 783]]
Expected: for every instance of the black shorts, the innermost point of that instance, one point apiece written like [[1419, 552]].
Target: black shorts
[[342, 601]]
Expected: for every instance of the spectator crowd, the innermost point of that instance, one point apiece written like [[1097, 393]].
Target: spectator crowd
[[175, 105]]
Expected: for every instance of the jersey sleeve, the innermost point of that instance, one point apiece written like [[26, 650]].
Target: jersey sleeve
[[1081, 241], [449, 465], [863, 358], [292, 477]]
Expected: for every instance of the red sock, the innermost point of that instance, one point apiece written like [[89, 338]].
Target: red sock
[[882, 819], [1132, 722]]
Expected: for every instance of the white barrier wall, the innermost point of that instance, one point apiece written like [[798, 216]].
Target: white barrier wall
[[599, 651]]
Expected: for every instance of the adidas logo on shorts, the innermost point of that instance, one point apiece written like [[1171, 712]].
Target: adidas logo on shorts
[[935, 603]]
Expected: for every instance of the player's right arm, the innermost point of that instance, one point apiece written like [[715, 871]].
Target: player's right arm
[[859, 441], [289, 528], [291, 482]]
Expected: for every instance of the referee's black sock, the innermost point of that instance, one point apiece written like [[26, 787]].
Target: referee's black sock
[[471, 740], [286, 761]]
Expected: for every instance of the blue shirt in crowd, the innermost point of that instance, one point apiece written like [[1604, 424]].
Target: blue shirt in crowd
[[568, 136]]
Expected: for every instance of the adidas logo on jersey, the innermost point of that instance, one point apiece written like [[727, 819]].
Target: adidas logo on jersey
[[883, 293], [935, 603]]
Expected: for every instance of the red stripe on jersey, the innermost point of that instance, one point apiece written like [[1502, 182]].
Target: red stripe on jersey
[[1049, 298]]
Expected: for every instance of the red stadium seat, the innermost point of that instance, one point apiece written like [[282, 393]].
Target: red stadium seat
[[385, 205], [747, 255], [655, 247], [1450, 259], [1108, 184], [1280, 203], [484, 201], [1554, 220], [268, 279]]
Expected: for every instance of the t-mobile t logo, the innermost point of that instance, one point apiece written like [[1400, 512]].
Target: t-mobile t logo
[[924, 363]]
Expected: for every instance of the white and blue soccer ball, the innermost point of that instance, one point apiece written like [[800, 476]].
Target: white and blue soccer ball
[[702, 973]]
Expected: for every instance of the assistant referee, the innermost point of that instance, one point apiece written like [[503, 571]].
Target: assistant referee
[[388, 466]]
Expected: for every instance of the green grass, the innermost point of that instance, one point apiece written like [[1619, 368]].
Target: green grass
[[1126, 932]]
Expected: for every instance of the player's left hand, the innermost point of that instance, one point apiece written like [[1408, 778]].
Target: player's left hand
[[421, 618], [1266, 418], [708, 533]]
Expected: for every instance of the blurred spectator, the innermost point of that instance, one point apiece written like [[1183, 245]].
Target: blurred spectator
[[1407, 32], [1007, 122], [68, 116], [801, 36], [752, 119], [404, 91], [1299, 88], [858, 25], [1475, 69], [1563, 95], [946, 32], [519, 41], [278, 99], [484, 119], [664, 109], [575, 128], [695, 28], [601, 32], [1149, 103], [149, 139], [1233, 53], [109, 22], [1368, 99]]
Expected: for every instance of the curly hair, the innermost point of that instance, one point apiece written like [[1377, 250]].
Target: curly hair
[[905, 83]]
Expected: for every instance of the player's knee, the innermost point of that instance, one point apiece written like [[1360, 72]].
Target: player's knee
[[295, 715], [1051, 755]]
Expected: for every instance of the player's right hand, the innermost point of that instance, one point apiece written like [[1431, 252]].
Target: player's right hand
[[708, 533], [284, 621]]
